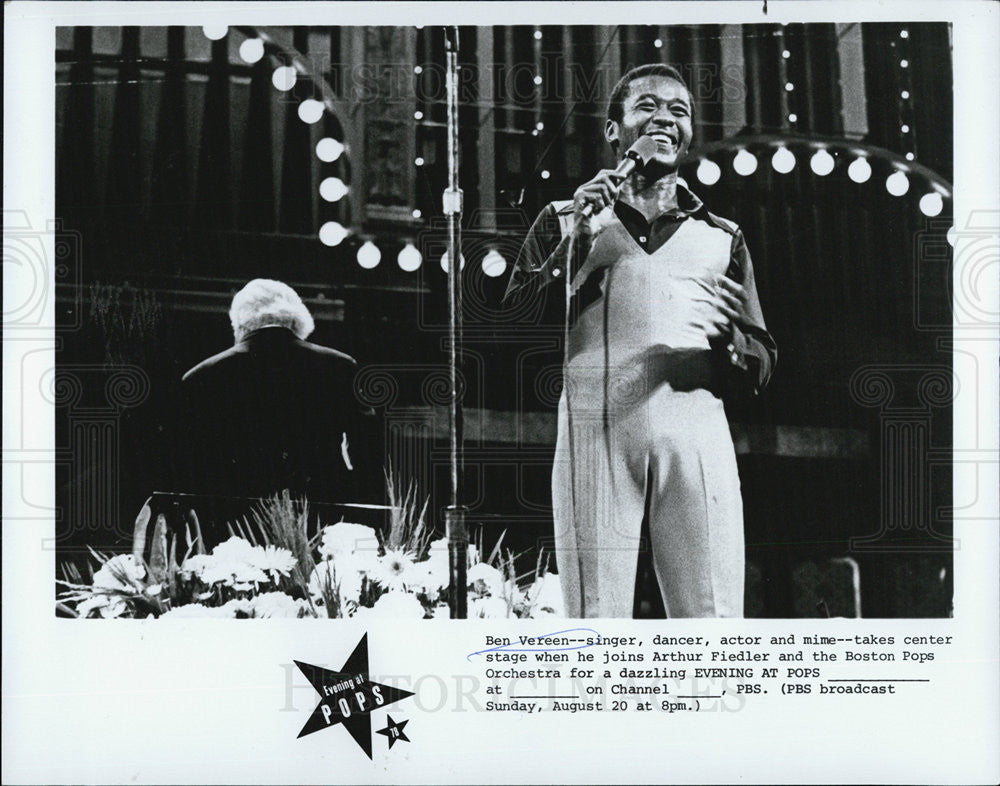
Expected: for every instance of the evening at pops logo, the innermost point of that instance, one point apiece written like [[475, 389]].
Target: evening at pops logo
[[348, 698]]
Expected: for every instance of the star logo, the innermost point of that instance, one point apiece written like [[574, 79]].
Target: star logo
[[348, 697], [394, 731]]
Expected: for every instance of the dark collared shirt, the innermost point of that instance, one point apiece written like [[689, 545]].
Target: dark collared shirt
[[543, 260]]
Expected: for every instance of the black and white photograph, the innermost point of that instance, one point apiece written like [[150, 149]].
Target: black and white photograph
[[258, 333], [650, 343]]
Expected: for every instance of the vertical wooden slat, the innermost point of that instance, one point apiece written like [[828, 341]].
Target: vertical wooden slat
[[705, 82], [763, 82], [214, 207], [932, 95], [124, 162], [169, 189], [296, 206], [851, 70], [734, 80], [76, 177], [257, 183], [486, 128], [468, 121]]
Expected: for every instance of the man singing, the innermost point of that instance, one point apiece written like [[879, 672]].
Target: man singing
[[662, 316]]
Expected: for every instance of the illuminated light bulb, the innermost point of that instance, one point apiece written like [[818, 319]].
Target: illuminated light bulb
[[417, 213], [332, 189], [904, 33], [545, 174], [332, 233], [537, 80], [418, 161], [904, 94], [786, 54], [658, 43], [444, 261], [329, 149], [708, 172], [793, 118], [789, 87], [904, 128], [783, 160], [494, 264], [910, 156], [950, 236], [897, 184], [539, 126], [931, 204], [418, 70], [215, 31], [745, 163], [822, 162], [368, 255], [860, 170], [284, 78], [252, 50], [310, 110], [418, 115], [904, 63], [538, 35], [409, 259], [534, 132]]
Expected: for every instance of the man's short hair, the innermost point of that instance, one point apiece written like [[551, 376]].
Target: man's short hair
[[616, 103], [263, 303]]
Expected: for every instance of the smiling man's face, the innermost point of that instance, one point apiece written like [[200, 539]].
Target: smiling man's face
[[660, 107]]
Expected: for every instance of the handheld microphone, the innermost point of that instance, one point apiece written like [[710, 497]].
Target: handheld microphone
[[640, 154]]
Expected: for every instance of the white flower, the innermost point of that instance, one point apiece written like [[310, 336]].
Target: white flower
[[195, 564], [120, 573], [545, 597], [108, 608], [154, 589], [274, 561], [485, 579], [277, 604], [84, 607], [235, 563], [234, 550], [351, 572], [346, 537], [397, 605], [430, 577], [438, 549], [233, 573], [487, 607], [238, 607], [362, 561], [393, 569]]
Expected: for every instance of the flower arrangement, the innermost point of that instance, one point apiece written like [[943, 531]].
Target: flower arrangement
[[270, 567]]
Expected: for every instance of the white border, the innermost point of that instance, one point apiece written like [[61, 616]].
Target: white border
[[202, 701]]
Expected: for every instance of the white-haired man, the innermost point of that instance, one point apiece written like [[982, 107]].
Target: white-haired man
[[273, 411]]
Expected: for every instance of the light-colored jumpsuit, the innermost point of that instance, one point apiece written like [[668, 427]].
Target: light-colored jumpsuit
[[629, 442]]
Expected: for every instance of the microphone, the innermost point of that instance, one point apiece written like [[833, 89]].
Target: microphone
[[640, 154]]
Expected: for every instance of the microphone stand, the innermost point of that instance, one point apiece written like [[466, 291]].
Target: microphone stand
[[458, 536]]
